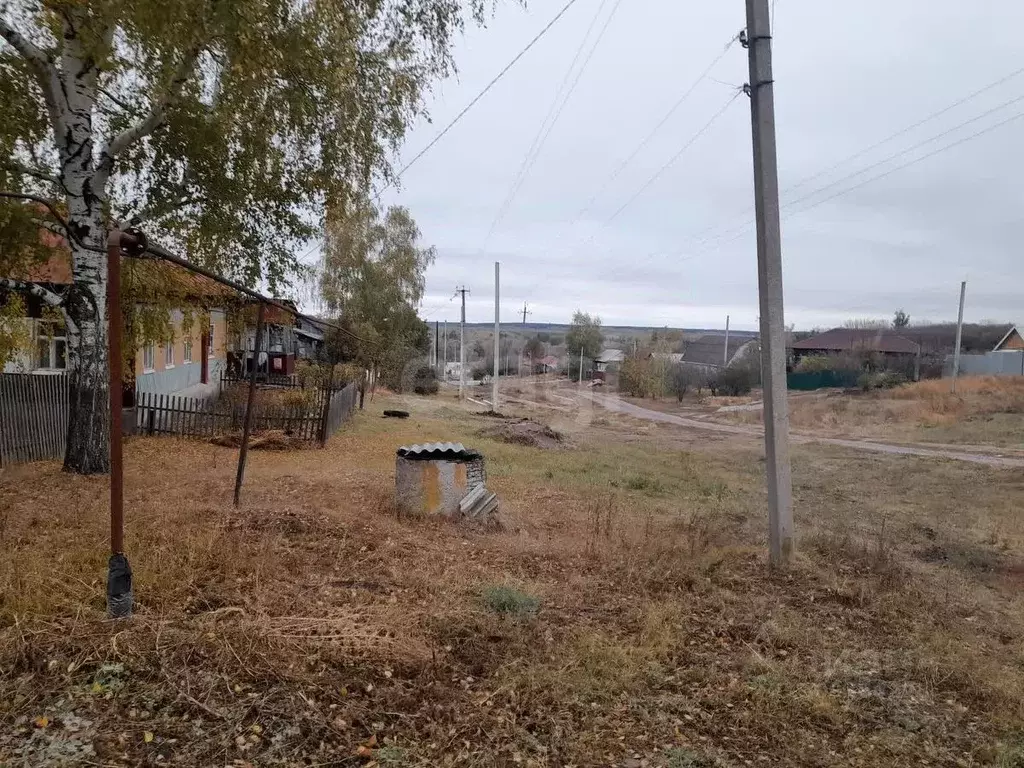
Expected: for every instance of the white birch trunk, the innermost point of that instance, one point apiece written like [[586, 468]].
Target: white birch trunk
[[89, 417]]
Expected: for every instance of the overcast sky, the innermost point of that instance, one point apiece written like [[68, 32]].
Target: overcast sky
[[847, 76]]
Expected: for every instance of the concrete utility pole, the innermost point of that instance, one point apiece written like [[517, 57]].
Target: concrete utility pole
[[444, 371], [462, 343], [757, 39], [581, 366], [525, 313], [725, 352], [959, 335], [437, 352], [497, 334]]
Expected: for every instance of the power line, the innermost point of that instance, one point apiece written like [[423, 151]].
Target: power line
[[707, 234], [908, 129], [678, 154], [558, 104], [889, 172], [661, 124], [673, 159], [461, 114], [477, 98]]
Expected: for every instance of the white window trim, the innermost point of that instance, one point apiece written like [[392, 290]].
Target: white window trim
[[186, 353], [43, 331], [170, 348], [152, 368], [209, 341]]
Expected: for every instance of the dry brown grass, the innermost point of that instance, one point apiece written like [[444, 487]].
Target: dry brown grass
[[314, 627], [984, 410]]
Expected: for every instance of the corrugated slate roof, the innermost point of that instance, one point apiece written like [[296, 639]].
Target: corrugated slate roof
[[848, 339], [708, 350], [428, 451]]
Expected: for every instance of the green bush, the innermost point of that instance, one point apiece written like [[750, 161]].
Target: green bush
[[424, 381], [509, 601], [734, 381], [816, 364], [880, 380]]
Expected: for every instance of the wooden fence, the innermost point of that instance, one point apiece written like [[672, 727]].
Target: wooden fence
[[343, 402], [189, 417], [33, 417]]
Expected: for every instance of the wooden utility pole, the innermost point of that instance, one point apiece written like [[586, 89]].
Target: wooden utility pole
[[243, 450], [757, 39], [444, 369], [462, 342], [959, 335], [497, 335], [521, 349]]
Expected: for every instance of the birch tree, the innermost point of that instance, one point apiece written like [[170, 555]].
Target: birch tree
[[373, 277], [218, 126]]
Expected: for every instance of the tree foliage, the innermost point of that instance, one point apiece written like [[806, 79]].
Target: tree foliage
[[900, 319], [372, 278], [584, 333], [534, 348], [221, 127]]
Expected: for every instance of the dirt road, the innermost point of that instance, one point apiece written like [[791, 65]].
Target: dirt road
[[629, 409]]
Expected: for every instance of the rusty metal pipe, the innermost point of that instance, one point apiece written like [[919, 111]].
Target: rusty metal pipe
[[119, 572]]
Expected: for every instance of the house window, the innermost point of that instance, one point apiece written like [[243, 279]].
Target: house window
[[148, 358], [169, 356], [209, 349], [51, 349], [187, 354]]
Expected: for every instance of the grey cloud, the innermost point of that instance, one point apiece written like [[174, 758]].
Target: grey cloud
[[846, 76]]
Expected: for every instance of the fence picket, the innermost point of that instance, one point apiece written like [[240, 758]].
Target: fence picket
[[34, 412]]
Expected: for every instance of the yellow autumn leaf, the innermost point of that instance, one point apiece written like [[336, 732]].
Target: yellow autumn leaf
[[42, 721], [147, 736]]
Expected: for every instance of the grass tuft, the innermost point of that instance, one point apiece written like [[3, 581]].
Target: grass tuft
[[509, 601]]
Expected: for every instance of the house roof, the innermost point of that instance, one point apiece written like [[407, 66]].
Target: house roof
[[611, 356], [941, 337], [1007, 335], [708, 350], [672, 357], [849, 339], [138, 275]]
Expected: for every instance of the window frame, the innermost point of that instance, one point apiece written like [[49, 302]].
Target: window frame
[[209, 341], [168, 355], [186, 352], [149, 351], [48, 331]]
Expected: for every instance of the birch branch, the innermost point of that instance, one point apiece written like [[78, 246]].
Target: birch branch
[[45, 295], [150, 122]]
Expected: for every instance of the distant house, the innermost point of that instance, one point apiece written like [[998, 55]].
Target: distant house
[[1011, 341], [891, 345], [286, 339], [548, 364], [709, 353], [609, 360]]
